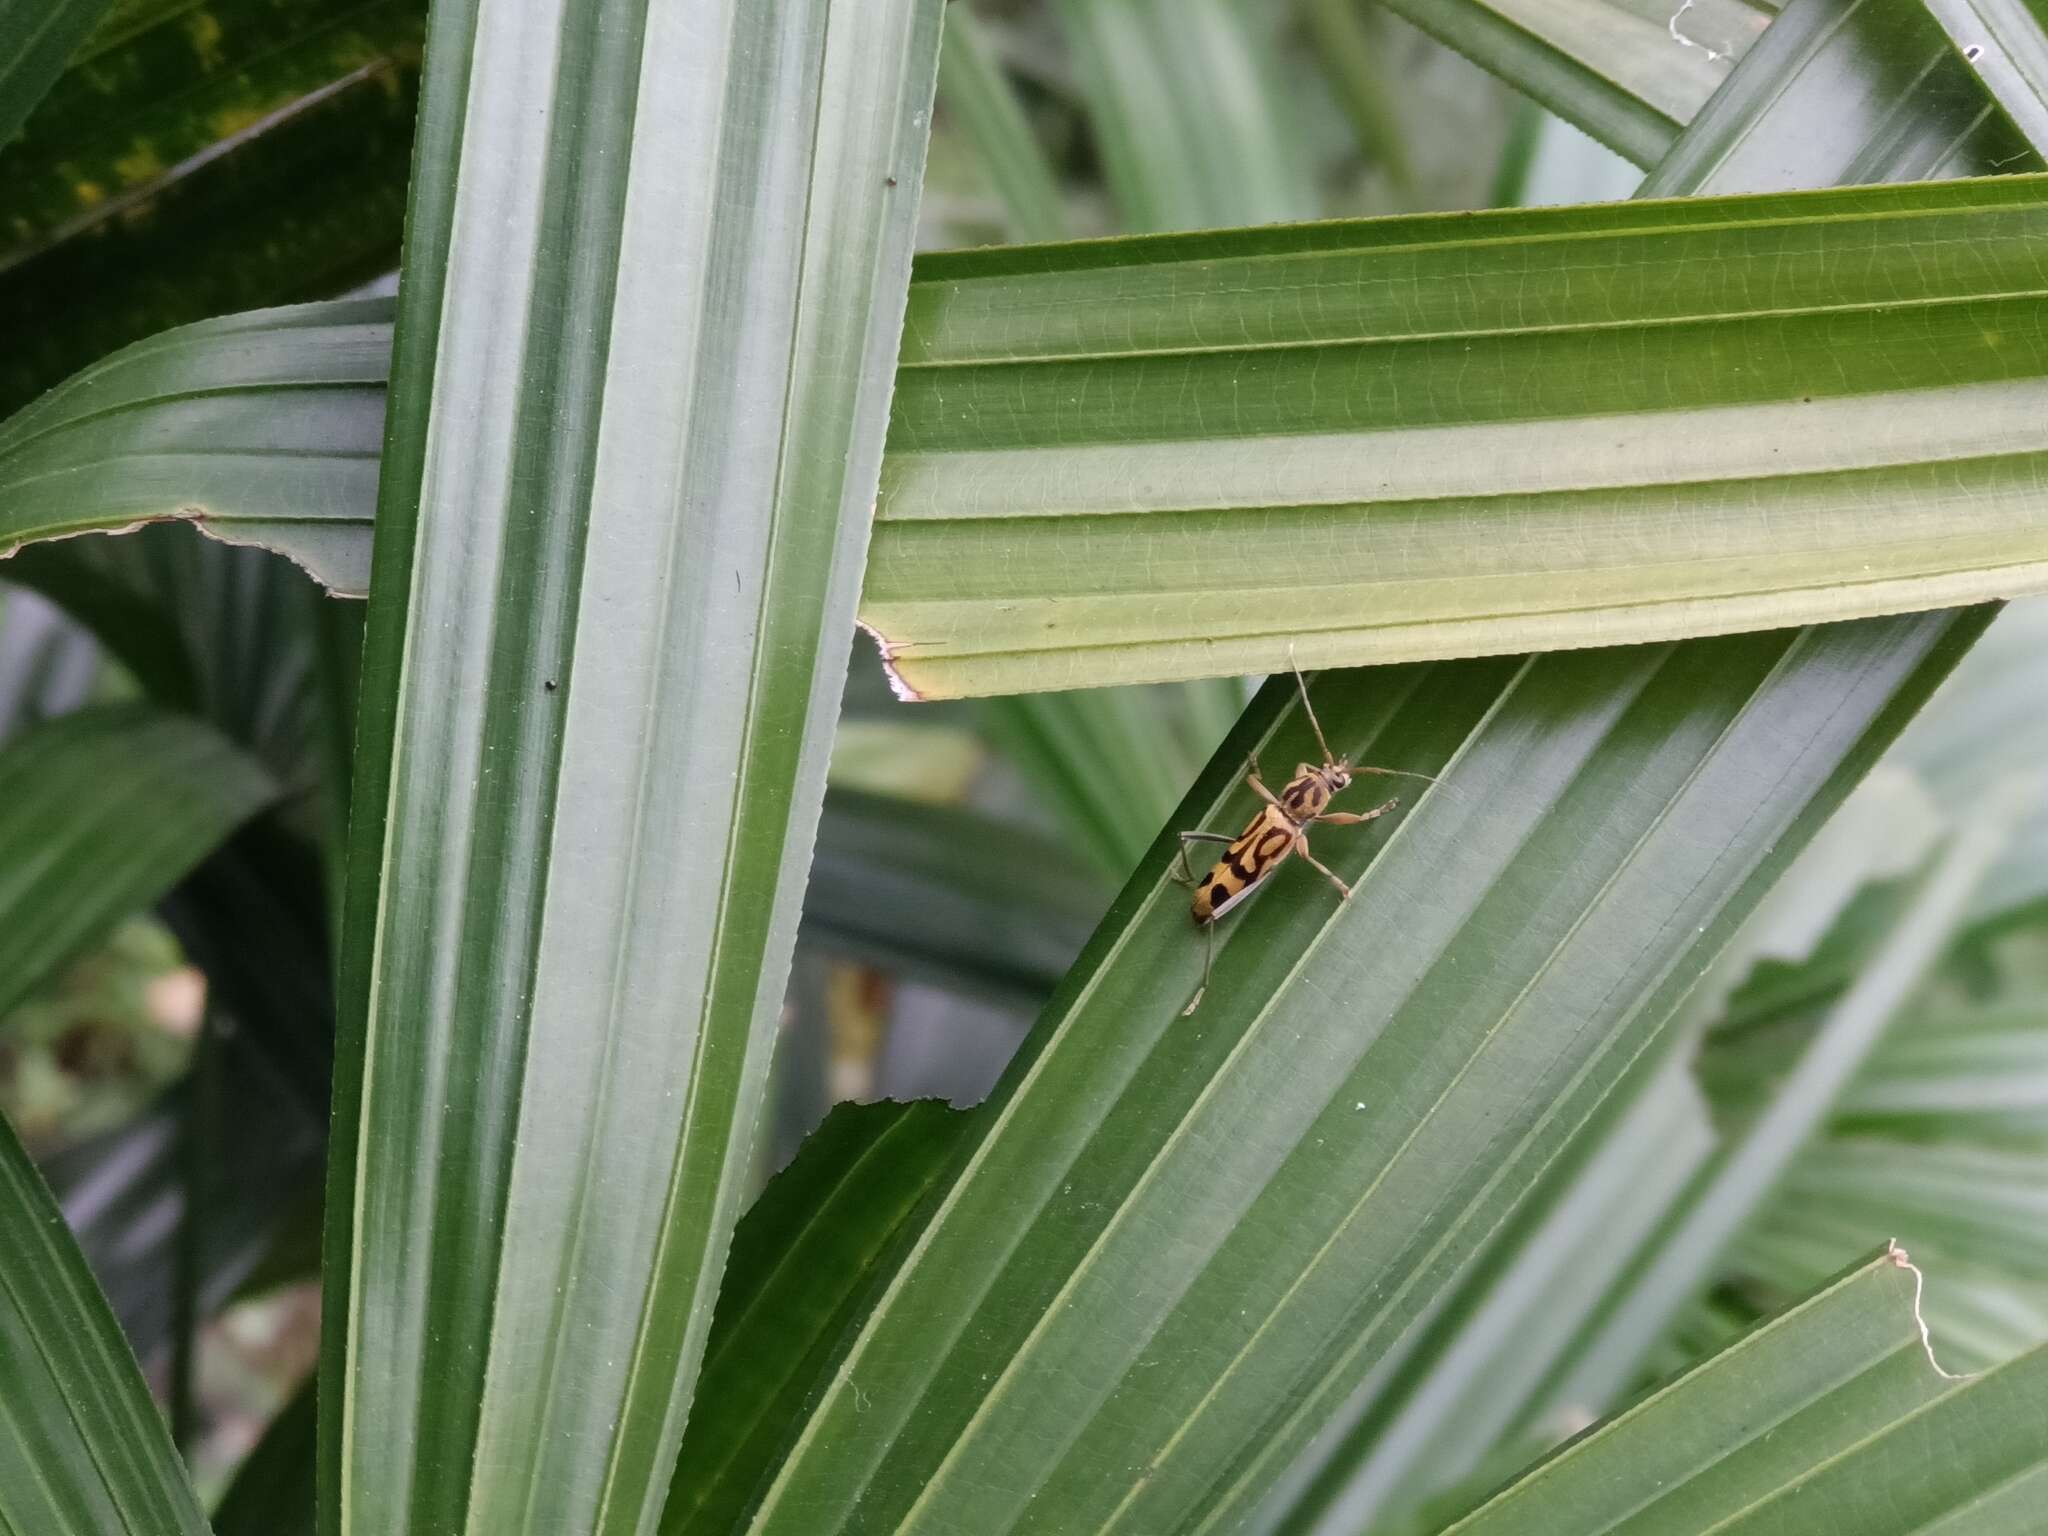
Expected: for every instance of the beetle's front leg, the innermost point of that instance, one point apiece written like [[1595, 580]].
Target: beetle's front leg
[[1352, 818]]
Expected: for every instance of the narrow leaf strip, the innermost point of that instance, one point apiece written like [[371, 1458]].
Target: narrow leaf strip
[[655, 275], [974, 89], [83, 1450], [1897, 102], [1630, 74], [1833, 1412]]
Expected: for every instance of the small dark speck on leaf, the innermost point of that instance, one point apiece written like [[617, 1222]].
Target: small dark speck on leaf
[[1973, 53], [549, 684], [891, 180]]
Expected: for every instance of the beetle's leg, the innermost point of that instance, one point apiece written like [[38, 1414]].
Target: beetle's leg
[[1187, 876], [1208, 954], [1301, 847], [1350, 818], [1258, 785]]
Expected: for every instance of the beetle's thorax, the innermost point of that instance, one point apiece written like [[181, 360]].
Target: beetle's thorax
[[1307, 794]]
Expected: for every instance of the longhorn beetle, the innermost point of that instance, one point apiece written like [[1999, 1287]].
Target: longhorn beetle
[[1279, 829]]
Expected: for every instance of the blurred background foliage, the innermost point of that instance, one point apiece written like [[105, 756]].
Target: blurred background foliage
[[1870, 1056]]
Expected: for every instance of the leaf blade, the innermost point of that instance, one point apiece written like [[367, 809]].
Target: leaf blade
[[167, 791], [1151, 1192], [1372, 485], [1874, 1434], [85, 1449], [561, 981], [1616, 70], [37, 38]]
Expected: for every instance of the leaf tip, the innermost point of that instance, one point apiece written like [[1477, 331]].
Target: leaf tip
[[887, 648]]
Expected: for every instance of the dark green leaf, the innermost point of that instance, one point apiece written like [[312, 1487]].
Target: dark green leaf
[[821, 1239], [83, 1451], [100, 813], [200, 158], [1182, 1243], [272, 1494], [1465, 1377], [2002, 40], [36, 38]]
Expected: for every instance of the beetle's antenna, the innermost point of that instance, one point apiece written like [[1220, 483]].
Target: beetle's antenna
[[1328, 756], [1397, 773]]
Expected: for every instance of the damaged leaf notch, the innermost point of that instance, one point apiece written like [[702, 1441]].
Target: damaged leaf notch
[[263, 428]]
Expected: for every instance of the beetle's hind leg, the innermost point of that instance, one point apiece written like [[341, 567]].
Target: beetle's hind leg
[[1208, 956], [1187, 876]]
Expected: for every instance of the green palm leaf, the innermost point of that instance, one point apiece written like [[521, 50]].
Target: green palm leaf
[[638, 401]]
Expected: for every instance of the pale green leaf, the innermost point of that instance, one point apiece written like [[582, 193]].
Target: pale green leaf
[[1413, 437], [656, 259], [973, 88], [1190, 115], [1680, 1260]]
